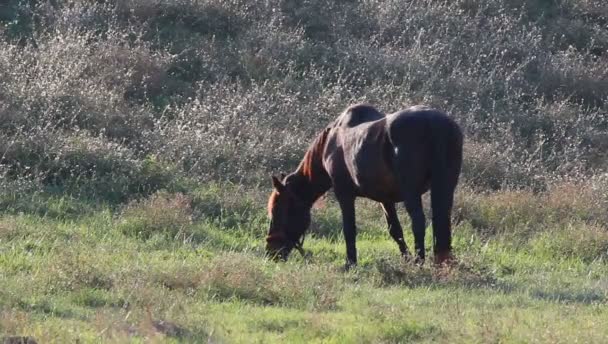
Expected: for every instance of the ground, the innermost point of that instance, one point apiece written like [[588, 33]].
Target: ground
[[168, 269]]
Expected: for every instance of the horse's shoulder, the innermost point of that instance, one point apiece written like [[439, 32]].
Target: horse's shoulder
[[358, 114]]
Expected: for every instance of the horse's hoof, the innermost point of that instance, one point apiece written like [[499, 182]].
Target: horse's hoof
[[411, 259], [444, 259], [407, 256], [349, 265]]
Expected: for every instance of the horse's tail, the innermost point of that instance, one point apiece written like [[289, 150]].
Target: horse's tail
[[446, 162]]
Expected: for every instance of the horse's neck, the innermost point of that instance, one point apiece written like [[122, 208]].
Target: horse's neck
[[312, 178], [311, 189]]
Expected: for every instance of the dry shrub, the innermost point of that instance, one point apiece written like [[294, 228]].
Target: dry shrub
[[485, 166], [230, 133], [74, 81], [143, 71], [85, 165], [161, 213], [521, 212], [232, 90]]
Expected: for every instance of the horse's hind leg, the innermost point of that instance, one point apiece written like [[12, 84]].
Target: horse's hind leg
[[442, 231], [411, 170], [413, 205], [443, 186], [442, 203], [394, 227]]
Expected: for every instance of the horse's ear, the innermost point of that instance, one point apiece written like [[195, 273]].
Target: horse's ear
[[277, 184]]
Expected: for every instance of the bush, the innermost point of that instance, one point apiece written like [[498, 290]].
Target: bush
[[522, 214], [227, 90], [85, 166]]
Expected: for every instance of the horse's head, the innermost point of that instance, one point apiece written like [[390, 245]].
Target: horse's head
[[289, 219]]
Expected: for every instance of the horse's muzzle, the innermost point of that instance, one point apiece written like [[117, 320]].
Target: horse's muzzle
[[277, 254]]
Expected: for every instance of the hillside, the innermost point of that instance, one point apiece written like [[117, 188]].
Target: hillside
[[137, 138]]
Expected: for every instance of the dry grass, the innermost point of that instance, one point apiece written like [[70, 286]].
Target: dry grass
[[523, 212], [237, 276], [162, 213]]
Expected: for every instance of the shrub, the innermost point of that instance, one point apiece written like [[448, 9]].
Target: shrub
[[84, 165], [227, 90], [521, 214]]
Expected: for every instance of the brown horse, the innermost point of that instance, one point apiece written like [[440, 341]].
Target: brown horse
[[388, 159]]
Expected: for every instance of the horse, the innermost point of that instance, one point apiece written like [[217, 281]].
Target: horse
[[386, 158]]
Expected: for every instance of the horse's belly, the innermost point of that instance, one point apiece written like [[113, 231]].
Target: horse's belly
[[382, 196], [381, 189], [374, 177]]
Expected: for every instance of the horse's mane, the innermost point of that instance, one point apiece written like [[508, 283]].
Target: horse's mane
[[311, 162], [272, 201], [309, 166]]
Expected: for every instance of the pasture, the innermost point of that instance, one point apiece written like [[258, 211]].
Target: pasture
[[195, 262], [137, 141]]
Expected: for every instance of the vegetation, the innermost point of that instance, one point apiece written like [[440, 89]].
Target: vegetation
[[137, 138]]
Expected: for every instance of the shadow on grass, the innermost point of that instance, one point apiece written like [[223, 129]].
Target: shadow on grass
[[48, 203], [393, 272], [96, 298], [179, 332], [396, 272], [587, 297], [49, 309]]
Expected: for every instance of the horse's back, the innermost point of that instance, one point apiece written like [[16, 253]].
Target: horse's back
[[358, 153], [363, 144], [357, 114], [419, 124]]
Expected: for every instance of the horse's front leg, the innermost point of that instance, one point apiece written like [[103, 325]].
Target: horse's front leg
[[347, 205], [394, 228]]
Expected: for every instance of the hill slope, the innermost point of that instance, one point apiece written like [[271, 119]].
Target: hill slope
[[136, 140]]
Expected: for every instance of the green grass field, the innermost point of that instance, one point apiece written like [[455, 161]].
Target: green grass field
[[170, 269]]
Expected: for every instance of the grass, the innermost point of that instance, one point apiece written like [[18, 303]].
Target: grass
[[87, 279]]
